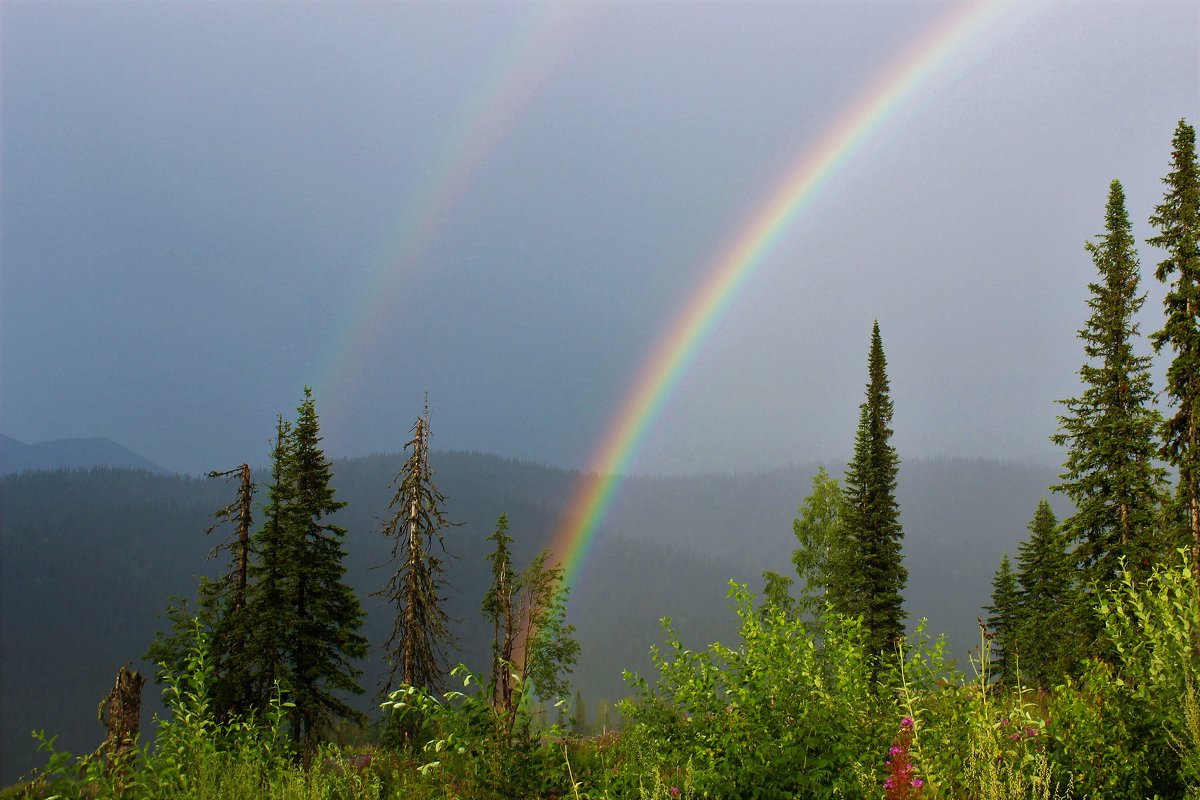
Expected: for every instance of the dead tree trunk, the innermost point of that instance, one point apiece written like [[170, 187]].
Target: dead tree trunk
[[121, 713]]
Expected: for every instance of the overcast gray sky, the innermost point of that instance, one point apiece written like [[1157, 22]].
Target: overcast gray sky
[[207, 206]]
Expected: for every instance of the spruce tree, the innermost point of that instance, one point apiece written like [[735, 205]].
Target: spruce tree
[[301, 619], [269, 616], [1004, 615], [415, 651], [1110, 429], [1177, 219], [870, 582], [1044, 633], [325, 643]]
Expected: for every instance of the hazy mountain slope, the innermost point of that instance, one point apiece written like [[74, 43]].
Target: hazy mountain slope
[[959, 516], [90, 558], [16, 456]]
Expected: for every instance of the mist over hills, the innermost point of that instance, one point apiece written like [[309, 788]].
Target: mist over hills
[[91, 557], [16, 456]]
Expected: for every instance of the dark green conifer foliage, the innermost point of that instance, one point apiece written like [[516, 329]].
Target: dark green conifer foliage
[[1110, 429], [269, 615], [582, 728], [421, 634], [1045, 639], [1003, 619], [871, 580], [324, 643], [1177, 219]]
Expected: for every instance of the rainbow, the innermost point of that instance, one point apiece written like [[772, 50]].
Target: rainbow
[[540, 37], [660, 372]]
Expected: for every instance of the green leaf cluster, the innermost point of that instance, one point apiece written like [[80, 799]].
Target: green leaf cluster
[[778, 715]]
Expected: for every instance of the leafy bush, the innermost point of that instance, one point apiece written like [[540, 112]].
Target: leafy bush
[[780, 715], [481, 749]]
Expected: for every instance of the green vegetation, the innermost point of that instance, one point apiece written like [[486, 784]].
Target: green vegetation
[[822, 552], [780, 713], [1087, 685]]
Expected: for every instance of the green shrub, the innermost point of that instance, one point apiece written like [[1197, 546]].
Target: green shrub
[[780, 715], [474, 746]]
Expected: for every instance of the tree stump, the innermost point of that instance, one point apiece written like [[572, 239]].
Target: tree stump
[[121, 713]]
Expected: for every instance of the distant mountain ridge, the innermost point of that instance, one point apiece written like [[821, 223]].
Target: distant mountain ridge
[[17, 456]]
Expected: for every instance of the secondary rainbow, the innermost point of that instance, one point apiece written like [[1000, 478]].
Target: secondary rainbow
[[540, 37], [660, 372]]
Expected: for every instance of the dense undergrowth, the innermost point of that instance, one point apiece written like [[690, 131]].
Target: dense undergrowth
[[794, 709]]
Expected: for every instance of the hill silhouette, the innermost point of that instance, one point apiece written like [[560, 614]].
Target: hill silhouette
[[16, 456]]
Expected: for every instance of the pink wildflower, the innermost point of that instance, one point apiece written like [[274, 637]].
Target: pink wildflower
[[901, 782]]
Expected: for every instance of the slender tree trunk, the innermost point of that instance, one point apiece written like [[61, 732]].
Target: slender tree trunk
[[245, 501], [408, 670]]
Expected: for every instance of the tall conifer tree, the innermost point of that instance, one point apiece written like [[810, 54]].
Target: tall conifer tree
[[269, 615], [325, 643], [873, 576], [1110, 429], [1043, 635], [1003, 621], [1177, 219], [421, 632]]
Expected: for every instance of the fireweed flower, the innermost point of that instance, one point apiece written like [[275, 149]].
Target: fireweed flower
[[902, 782]]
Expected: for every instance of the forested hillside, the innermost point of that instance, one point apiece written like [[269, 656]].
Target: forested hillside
[[92, 556]]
